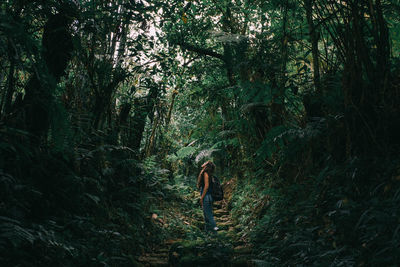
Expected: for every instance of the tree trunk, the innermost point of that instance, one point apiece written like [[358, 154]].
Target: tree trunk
[[11, 79], [150, 146], [174, 94], [314, 44], [143, 107], [278, 96], [57, 45]]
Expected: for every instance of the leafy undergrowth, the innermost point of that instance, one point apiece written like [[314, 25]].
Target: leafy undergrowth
[[327, 219], [93, 208], [201, 252]]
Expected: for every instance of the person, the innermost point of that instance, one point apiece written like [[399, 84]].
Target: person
[[206, 200]]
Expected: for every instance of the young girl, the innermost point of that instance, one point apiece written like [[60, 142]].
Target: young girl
[[206, 200]]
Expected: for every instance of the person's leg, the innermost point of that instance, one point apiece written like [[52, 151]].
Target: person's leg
[[212, 221], [208, 213], [206, 221]]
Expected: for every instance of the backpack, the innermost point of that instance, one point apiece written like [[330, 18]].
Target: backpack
[[217, 193]]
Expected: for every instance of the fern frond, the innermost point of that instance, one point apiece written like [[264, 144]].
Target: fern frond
[[206, 153]]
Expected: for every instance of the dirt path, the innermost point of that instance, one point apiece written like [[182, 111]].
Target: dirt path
[[224, 249]]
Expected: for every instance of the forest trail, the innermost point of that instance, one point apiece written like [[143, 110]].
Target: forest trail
[[226, 248]]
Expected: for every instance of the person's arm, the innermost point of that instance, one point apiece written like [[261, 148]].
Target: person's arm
[[205, 189], [205, 163]]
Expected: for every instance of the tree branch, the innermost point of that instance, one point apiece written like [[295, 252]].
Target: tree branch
[[202, 51]]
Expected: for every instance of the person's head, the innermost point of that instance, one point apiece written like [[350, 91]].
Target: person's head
[[209, 166]]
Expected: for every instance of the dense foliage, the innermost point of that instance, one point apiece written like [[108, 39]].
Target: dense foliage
[[107, 109]]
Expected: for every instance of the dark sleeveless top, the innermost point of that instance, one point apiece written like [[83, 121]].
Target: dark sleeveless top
[[209, 184]]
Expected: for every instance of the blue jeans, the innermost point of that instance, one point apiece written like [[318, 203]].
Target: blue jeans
[[208, 213]]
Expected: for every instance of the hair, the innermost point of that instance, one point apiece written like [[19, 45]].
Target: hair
[[209, 167]]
